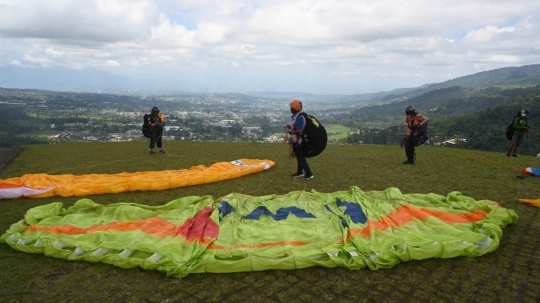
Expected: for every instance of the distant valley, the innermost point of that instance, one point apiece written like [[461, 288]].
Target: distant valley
[[474, 108]]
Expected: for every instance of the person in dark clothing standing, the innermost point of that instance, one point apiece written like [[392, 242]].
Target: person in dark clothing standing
[[412, 121], [156, 122], [521, 126], [296, 126]]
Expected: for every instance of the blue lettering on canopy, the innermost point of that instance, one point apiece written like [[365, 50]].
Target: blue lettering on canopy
[[343, 222], [225, 208], [353, 210], [281, 213]]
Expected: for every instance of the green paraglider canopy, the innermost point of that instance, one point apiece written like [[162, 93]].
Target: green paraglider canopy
[[239, 233]]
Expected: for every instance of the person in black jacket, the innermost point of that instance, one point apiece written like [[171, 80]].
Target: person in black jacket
[[156, 122], [412, 121]]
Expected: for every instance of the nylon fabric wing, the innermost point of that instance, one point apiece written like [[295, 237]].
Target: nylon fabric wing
[[353, 229]]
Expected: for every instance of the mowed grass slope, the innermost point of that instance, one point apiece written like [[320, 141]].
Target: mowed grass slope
[[512, 273]]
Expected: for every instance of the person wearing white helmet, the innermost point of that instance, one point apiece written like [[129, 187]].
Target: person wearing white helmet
[[521, 126]]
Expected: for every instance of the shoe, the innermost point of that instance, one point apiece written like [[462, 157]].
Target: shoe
[[513, 155], [161, 151], [408, 162], [307, 177], [151, 152], [297, 175], [507, 155]]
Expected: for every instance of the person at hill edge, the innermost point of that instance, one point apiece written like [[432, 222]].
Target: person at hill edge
[[412, 121], [521, 126], [298, 122], [156, 121]]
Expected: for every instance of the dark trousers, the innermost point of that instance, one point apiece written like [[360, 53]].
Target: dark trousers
[[301, 162], [156, 138], [409, 149]]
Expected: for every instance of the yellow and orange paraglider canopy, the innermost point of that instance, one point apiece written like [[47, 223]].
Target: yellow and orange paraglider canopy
[[44, 185]]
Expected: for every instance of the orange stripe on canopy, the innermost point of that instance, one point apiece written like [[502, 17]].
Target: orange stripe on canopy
[[194, 229], [407, 213], [9, 185], [153, 226]]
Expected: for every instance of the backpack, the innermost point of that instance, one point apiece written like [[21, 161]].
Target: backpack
[[315, 136], [423, 135], [146, 129], [510, 131], [510, 127]]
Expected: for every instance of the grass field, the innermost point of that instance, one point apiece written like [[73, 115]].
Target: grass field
[[510, 274], [337, 132]]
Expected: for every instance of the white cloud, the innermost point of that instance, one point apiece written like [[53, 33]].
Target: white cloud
[[168, 35], [484, 35], [45, 62], [112, 63], [211, 33], [284, 63], [369, 44], [52, 52]]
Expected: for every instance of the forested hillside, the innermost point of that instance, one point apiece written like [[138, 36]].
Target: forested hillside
[[485, 129], [520, 76], [480, 120], [475, 108]]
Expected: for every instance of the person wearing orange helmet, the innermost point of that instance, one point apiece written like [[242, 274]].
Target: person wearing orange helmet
[[296, 126]]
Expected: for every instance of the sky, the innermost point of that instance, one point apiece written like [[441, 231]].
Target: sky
[[321, 47]]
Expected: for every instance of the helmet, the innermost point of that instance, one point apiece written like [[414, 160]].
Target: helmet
[[410, 110], [155, 110], [296, 105], [524, 112]]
